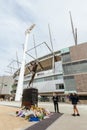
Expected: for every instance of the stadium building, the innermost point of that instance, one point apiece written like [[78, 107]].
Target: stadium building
[[63, 72]]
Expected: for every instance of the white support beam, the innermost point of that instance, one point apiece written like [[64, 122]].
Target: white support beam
[[19, 90]]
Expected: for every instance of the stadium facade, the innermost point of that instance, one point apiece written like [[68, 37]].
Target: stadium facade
[[63, 72]]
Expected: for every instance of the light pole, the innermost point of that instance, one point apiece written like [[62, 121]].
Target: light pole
[[19, 90]]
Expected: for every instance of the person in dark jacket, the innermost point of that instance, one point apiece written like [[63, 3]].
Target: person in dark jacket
[[55, 101], [74, 100]]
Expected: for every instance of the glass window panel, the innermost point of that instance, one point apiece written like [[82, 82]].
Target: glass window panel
[[66, 57], [73, 68], [58, 77], [55, 77], [59, 86], [70, 84], [48, 78]]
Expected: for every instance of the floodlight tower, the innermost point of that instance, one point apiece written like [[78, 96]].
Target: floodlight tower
[[19, 90], [74, 31]]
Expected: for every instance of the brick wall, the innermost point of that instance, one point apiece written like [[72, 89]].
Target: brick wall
[[81, 82], [78, 52]]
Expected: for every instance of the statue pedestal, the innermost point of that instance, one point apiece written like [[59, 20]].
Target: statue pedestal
[[30, 97]]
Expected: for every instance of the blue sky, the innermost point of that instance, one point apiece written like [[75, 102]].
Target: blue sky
[[17, 15]]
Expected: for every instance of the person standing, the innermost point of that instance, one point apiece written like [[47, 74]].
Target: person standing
[[74, 100], [55, 101]]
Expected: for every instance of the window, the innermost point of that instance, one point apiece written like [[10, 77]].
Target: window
[[66, 57], [48, 78], [77, 67], [70, 83], [5, 84], [59, 86], [58, 77], [38, 80]]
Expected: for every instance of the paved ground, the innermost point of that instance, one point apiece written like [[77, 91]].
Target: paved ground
[[66, 121], [9, 121]]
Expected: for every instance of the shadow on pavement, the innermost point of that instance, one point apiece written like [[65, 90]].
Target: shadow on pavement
[[44, 124]]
